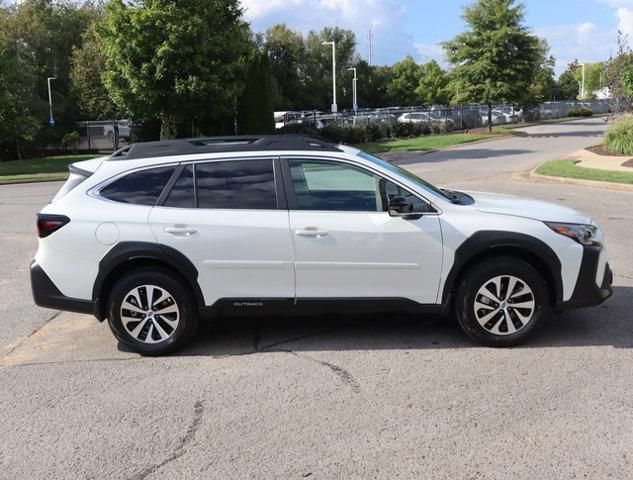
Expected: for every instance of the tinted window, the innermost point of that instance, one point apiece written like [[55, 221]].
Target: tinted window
[[181, 194], [335, 186], [141, 188], [242, 184]]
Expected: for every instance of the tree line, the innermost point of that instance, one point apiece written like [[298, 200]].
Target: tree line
[[197, 68]]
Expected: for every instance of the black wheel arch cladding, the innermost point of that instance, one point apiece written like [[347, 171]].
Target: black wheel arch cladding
[[486, 243], [126, 252]]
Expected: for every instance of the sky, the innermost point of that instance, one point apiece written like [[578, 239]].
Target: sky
[[575, 29]]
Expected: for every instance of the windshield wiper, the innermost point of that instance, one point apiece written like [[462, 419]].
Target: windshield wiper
[[452, 195]]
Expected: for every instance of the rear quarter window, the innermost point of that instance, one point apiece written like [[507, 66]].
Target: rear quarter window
[[142, 187]]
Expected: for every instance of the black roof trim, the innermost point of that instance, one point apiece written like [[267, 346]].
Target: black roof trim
[[188, 146]]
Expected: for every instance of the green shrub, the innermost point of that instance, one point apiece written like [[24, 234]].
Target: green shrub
[[70, 141], [619, 138], [448, 127], [580, 112], [344, 134]]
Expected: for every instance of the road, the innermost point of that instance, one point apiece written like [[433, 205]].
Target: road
[[367, 396]]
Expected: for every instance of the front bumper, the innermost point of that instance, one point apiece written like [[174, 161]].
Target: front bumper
[[592, 288], [47, 295]]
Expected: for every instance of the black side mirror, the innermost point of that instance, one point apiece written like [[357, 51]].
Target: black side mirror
[[398, 207]]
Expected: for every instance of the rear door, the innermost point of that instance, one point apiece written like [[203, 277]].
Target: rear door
[[230, 219], [345, 242]]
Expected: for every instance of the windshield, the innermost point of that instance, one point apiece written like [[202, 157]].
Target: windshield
[[405, 173]]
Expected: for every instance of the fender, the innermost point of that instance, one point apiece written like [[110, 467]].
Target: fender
[[132, 251], [487, 241]]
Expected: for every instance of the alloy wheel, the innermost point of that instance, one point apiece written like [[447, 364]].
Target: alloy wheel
[[504, 305], [149, 314]]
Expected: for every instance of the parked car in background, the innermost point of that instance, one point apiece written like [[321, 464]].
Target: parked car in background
[[421, 117], [125, 130], [284, 118]]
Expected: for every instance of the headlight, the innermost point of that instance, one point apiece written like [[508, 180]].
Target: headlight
[[585, 234]]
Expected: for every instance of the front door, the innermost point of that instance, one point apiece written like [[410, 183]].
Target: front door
[[225, 216], [347, 245]]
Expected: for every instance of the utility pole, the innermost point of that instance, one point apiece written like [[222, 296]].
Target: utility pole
[[370, 49], [51, 120], [582, 88], [334, 106], [354, 98]]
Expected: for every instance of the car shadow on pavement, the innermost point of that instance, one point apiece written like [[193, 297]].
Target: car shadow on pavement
[[609, 324]]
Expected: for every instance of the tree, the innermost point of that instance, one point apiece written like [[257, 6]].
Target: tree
[[543, 86], [17, 123], [41, 33], [405, 79], [433, 85], [286, 51], [254, 109], [372, 85], [618, 75], [497, 58], [87, 64], [174, 60], [567, 85]]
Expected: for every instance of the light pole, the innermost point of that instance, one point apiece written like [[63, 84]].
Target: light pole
[[354, 97], [51, 120], [582, 85], [334, 107]]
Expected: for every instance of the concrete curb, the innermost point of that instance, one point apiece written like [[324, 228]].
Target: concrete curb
[[532, 175]]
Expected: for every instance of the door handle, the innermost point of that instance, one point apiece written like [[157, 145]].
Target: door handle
[[181, 231], [311, 232]]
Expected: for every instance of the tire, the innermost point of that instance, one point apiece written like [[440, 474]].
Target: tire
[[111, 137], [146, 330], [510, 325]]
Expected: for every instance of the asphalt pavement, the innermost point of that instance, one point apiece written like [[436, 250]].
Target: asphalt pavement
[[379, 396]]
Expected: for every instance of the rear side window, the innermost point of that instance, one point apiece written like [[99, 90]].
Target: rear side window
[[142, 187], [236, 184], [182, 194]]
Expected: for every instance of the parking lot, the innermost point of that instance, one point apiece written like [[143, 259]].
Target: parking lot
[[361, 396]]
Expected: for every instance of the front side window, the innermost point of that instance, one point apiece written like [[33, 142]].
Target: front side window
[[142, 187], [236, 184], [337, 186]]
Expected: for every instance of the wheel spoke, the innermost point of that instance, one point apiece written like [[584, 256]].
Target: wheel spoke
[[479, 305], [164, 296], [148, 337], [128, 306], [509, 322], [137, 330], [173, 308], [512, 281], [526, 305], [161, 332], [483, 320]]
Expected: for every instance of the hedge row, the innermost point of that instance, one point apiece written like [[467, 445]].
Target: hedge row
[[371, 132]]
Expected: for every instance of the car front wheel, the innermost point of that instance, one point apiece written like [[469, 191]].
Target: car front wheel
[[501, 302], [151, 312]]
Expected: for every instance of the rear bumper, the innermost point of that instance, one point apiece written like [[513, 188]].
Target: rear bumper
[[595, 279], [47, 295]]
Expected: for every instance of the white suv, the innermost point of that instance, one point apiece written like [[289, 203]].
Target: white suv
[[162, 233]]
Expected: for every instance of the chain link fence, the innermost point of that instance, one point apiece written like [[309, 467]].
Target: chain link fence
[[107, 136]]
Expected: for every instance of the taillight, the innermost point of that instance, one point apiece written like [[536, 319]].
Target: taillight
[[47, 224]]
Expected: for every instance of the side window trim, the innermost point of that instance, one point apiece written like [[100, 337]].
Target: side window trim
[[169, 185], [292, 196]]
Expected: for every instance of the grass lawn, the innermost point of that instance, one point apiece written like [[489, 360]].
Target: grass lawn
[[39, 169], [569, 169], [421, 144]]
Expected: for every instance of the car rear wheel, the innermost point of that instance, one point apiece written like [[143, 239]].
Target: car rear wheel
[[151, 312], [501, 302]]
